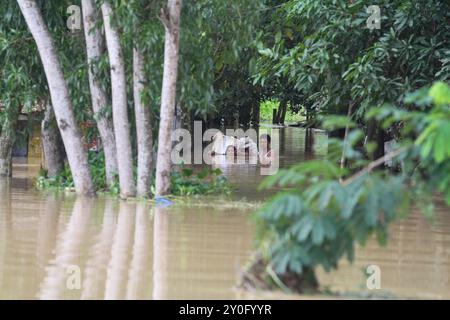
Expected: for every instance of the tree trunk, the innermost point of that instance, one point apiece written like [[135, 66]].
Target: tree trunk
[[59, 92], [274, 116], [143, 127], [171, 19], [283, 112], [95, 47], [119, 105], [6, 144], [280, 111], [52, 143]]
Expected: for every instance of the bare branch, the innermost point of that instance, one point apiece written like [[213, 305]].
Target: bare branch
[[374, 165]]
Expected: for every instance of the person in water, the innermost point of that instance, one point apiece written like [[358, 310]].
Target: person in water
[[232, 147], [266, 154]]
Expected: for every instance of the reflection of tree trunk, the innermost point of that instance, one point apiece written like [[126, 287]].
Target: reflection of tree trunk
[[138, 277], [60, 97], [68, 251], [309, 144], [95, 47], [95, 272], [117, 275], [5, 226], [52, 144], [119, 104], [160, 253], [47, 230], [171, 19], [282, 141]]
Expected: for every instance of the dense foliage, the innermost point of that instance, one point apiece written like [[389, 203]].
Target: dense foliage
[[327, 209], [323, 49], [184, 181]]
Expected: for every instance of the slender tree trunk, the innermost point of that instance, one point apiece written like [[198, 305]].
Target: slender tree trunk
[[6, 144], [347, 130], [171, 20], [52, 144], [274, 116], [119, 105], [280, 111], [283, 112], [143, 126], [59, 92], [95, 47]]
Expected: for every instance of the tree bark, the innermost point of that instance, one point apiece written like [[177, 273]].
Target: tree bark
[[171, 20], [52, 143], [6, 144], [95, 47], [59, 92], [283, 112], [143, 127], [119, 105]]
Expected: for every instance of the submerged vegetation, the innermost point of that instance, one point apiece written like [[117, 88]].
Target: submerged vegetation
[[327, 209], [184, 182]]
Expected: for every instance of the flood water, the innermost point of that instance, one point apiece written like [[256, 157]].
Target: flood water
[[57, 246]]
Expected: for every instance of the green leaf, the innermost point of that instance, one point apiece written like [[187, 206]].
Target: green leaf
[[440, 93], [318, 232]]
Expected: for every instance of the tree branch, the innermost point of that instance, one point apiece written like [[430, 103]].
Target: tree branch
[[374, 165]]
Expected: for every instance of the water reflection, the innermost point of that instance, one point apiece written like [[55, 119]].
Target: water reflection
[[99, 255], [123, 250], [117, 272], [68, 250], [160, 253], [127, 250], [138, 276]]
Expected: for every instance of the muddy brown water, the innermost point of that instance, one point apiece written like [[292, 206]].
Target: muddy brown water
[[57, 246]]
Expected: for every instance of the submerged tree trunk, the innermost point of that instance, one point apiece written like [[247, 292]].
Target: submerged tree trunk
[[52, 144], [59, 92], [143, 126], [119, 105], [171, 20], [95, 47], [6, 145]]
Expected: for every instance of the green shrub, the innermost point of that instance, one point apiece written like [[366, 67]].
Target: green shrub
[[266, 112], [207, 181], [183, 182], [325, 210], [64, 179]]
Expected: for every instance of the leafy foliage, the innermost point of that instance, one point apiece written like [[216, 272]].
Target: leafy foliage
[[64, 179], [266, 112], [184, 182], [325, 51], [325, 209], [207, 181]]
